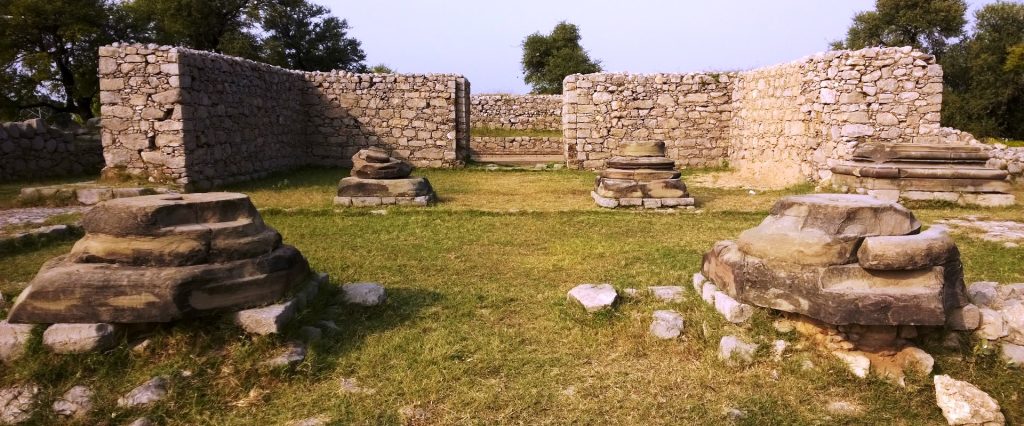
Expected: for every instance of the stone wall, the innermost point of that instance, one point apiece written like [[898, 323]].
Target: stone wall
[[33, 150], [201, 120], [689, 112], [516, 145], [780, 125], [519, 112]]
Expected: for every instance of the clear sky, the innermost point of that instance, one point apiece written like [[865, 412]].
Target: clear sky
[[481, 38]]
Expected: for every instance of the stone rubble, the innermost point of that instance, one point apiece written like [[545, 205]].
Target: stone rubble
[[16, 403], [964, 404], [14, 340], [593, 297], [80, 338], [292, 354], [735, 351], [76, 402], [152, 391], [667, 293], [667, 324]]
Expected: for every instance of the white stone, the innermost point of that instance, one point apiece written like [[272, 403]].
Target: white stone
[[844, 408], [698, 283], [76, 402], [964, 318], [293, 353], [594, 297], [1012, 354], [779, 349], [964, 404], [733, 311], [667, 324], [1013, 318], [984, 294], [992, 325], [79, 338], [365, 294], [266, 320], [708, 293], [16, 403], [856, 362], [153, 390], [14, 340], [667, 293], [733, 351]]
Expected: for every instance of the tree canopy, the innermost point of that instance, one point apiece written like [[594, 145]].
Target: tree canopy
[[547, 59], [49, 48], [927, 25]]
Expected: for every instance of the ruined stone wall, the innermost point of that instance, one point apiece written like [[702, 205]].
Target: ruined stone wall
[[781, 124], [33, 150], [516, 145], [689, 112], [201, 120], [519, 112]]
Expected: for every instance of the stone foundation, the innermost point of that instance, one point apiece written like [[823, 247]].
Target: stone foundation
[[647, 203]]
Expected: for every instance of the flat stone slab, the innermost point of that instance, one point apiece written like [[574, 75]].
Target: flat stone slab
[[734, 350], [631, 188], [412, 187], [668, 293], [667, 324], [76, 402], [85, 194], [14, 340], [594, 297], [153, 390], [421, 201], [16, 403], [964, 404], [647, 203]]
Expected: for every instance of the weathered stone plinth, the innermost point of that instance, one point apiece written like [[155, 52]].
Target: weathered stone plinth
[[842, 259], [378, 179], [946, 172], [161, 258], [641, 176]]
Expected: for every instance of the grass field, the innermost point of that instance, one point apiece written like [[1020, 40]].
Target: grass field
[[477, 330]]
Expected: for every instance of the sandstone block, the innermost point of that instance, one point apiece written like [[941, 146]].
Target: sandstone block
[[365, 294], [80, 338], [594, 297]]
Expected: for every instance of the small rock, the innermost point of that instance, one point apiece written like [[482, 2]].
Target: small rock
[[80, 338], [734, 351], [844, 408], [365, 294], [984, 294], [266, 320], [913, 358], [964, 404], [293, 353], [698, 283], [733, 311], [1013, 317], [16, 403], [630, 293], [992, 325], [1012, 354], [779, 349], [667, 293], [667, 324], [142, 421], [857, 362], [152, 391], [594, 297], [310, 334], [351, 386], [142, 346], [77, 401], [312, 421], [14, 340], [707, 293], [735, 414], [965, 318]]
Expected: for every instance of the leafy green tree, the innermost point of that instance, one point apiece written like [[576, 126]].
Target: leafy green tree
[[302, 35], [224, 26], [48, 53], [547, 59], [927, 25], [984, 75]]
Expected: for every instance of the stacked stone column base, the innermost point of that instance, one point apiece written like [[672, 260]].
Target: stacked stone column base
[[378, 179], [641, 176]]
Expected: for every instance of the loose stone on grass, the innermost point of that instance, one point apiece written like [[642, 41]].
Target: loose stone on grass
[[667, 293], [293, 353], [350, 385], [1012, 354], [844, 408], [14, 340], [365, 294], [733, 311], [16, 403], [76, 402], [964, 404], [858, 363], [153, 390], [698, 283], [142, 421], [266, 320], [80, 338], [594, 297], [667, 324], [734, 351]]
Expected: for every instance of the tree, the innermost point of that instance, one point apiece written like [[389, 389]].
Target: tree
[[927, 25], [222, 26], [984, 75], [48, 53], [381, 69], [304, 36], [547, 59]]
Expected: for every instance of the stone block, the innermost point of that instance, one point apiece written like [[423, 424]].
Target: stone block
[[80, 338]]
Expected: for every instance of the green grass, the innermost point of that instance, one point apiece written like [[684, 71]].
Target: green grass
[[496, 132], [1007, 142], [477, 330]]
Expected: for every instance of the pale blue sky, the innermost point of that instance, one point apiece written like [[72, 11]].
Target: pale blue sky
[[481, 39]]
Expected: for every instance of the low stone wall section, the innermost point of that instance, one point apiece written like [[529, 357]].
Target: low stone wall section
[[517, 112], [517, 145], [34, 150], [201, 120]]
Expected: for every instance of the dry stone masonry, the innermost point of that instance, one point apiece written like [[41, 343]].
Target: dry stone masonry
[[518, 112], [33, 150], [640, 176], [379, 179], [784, 124], [200, 120]]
